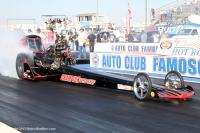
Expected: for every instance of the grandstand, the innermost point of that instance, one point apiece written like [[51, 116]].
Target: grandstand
[[176, 12]]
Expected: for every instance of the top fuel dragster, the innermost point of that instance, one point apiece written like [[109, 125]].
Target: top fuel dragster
[[57, 63]]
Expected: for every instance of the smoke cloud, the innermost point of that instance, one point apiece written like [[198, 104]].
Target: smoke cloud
[[10, 46]]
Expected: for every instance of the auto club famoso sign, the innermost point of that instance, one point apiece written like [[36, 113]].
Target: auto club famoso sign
[[152, 58]]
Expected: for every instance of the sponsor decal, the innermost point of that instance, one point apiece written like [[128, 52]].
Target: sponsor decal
[[95, 59], [170, 29], [124, 87], [185, 66], [166, 44], [187, 43], [77, 79], [129, 62], [122, 48]]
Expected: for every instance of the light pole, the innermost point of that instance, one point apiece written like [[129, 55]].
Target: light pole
[[145, 13], [97, 14]]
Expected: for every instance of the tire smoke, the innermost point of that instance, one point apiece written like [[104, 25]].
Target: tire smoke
[[10, 46]]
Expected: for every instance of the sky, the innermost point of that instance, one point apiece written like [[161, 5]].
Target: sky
[[115, 10]]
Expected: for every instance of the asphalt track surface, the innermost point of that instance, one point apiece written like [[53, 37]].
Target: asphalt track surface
[[68, 108]]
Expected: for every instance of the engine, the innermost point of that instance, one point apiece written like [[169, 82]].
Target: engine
[[55, 56]]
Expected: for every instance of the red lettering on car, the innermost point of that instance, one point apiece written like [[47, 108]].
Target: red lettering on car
[[77, 79]]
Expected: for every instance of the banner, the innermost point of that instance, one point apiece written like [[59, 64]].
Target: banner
[[174, 29], [152, 58]]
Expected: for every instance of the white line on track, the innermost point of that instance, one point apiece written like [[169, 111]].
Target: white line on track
[[6, 129]]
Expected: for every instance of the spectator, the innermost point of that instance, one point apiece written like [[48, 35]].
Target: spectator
[[156, 37], [164, 35], [112, 38], [57, 38], [40, 34], [51, 37], [71, 42], [99, 37], [76, 41], [91, 37], [143, 37], [130, 37], [105, 37], [82, 41], [29, 32]]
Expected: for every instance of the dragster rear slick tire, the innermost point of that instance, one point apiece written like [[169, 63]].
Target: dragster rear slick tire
[[23, 66], [20, 66], [142, 86]]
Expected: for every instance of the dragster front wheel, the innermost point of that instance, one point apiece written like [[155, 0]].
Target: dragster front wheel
[[174, 80], [142, 86]]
